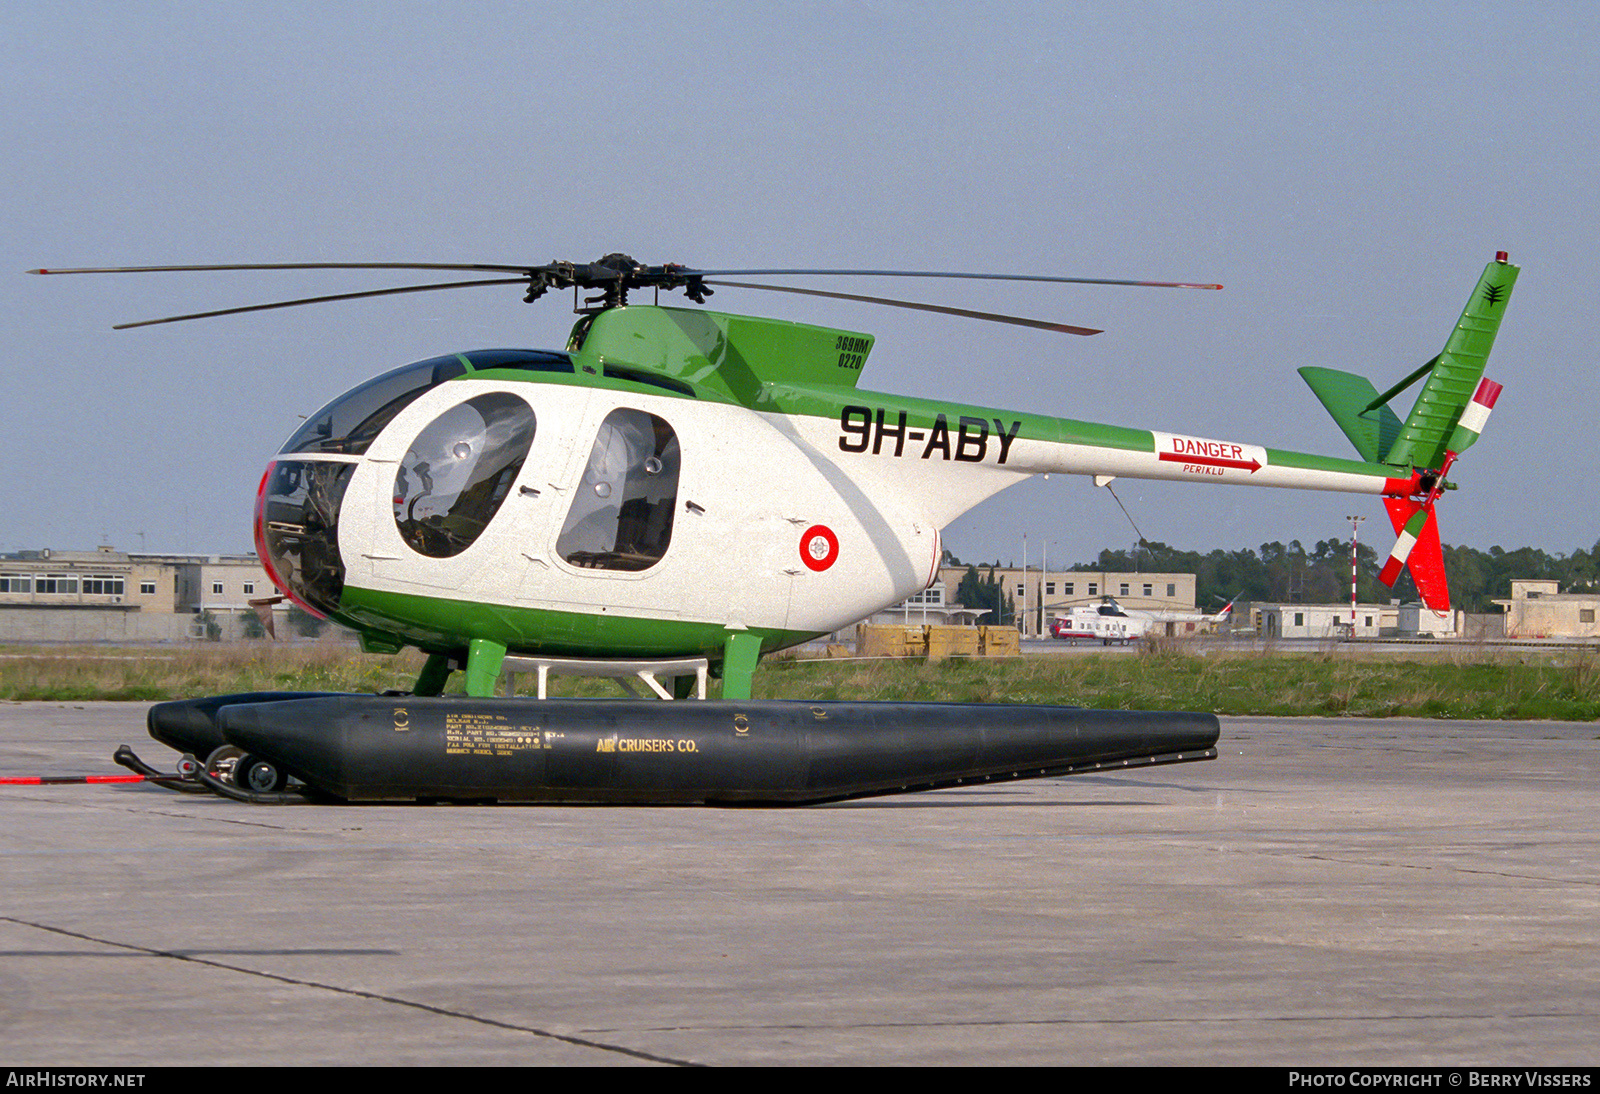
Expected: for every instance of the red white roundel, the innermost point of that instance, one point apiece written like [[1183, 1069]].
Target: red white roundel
[[819, 547]]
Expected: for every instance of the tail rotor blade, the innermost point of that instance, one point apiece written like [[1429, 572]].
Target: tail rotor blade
[[1410, 532], [1418, 549]]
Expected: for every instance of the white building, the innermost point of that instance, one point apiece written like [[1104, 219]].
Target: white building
[[1416, 620], [1038, 596], [928, 607], [1326, 620]]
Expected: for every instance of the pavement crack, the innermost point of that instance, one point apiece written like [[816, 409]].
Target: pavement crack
[[582, 1042], [1183, 1020], [225, 820], [108, 807], [1452, 869]]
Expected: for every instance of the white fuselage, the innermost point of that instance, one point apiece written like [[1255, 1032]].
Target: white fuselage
[[1087, 623], [749, 489]]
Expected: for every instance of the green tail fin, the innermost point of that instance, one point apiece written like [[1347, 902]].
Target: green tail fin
[[1347, 397], [1364, 415], [1422, 439]]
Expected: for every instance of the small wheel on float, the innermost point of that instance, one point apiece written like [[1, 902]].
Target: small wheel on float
[[222, 762], [259, 775]]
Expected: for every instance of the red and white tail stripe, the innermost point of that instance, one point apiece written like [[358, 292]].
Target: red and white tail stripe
[[1476, 415], [1402, 547]]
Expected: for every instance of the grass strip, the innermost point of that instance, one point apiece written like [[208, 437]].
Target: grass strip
[[1454, 682]]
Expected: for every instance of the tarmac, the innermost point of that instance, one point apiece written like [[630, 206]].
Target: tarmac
[[1327, 892]]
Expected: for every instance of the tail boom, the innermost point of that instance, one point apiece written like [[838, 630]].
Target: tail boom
[[1181, 458]]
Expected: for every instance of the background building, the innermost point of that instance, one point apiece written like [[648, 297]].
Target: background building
[[1037, 596], [929, 607], [1327, 620], [108, 595], [1539, 609]]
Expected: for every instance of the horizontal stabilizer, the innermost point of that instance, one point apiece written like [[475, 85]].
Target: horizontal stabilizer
[[1347, 396]]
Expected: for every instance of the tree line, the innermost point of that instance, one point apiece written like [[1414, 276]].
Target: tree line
[[1292, 574]]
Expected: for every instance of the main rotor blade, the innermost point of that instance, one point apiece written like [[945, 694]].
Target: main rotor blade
[[323, 300], [964, 276], [485, 267], [994, 317], [490, 267]]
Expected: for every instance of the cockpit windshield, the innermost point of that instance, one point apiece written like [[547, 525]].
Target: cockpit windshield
[[350, 423], [297, 528]]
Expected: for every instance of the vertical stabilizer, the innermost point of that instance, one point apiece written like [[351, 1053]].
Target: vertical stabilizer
[[1456, 372]]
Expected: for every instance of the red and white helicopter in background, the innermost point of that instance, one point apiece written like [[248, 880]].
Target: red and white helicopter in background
[[1109, 623]]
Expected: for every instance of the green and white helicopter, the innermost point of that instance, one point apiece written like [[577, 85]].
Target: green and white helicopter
[[683, 483]]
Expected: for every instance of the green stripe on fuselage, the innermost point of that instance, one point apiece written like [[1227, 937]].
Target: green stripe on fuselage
[[1278, 457], [441, 623]]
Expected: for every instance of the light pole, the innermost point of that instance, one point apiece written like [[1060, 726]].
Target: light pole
[[1044, 574], [1355, 529], [1022, 615]]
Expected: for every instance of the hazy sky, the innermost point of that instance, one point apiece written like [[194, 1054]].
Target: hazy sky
[[1346, 169]]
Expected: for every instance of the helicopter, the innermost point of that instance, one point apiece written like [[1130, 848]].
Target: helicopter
[[679, 482], [1108, 622]]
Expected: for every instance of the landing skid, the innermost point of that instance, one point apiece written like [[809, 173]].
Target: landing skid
[[623, 672]]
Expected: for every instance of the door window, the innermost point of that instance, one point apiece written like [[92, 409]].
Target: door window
[[459, 469], [621, 516]]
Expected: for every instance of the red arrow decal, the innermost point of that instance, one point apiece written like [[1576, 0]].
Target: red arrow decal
[[1252, 465]]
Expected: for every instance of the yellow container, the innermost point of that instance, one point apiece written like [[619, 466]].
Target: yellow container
[[1000, 641], [952, 642], [890, 641]]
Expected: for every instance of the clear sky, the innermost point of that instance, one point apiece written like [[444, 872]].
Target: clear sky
[[1346, 169]]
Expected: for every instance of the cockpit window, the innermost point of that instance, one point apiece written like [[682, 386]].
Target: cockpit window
[[350, 423], [458, 471], [621, 517], [299, 528]]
